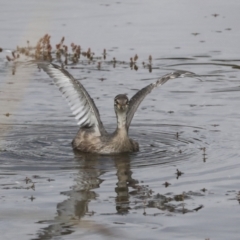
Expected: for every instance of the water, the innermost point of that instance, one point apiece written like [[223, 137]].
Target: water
[[47, 191]]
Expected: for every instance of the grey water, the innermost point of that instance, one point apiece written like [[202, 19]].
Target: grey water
[[189, 126]]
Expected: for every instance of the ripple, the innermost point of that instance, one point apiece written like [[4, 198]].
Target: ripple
[[168, 144], [41, 147], [48, 147]]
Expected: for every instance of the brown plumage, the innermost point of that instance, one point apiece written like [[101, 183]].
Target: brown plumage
[[92, 136]]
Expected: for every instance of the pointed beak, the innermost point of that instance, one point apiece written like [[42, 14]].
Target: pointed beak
[[120, 107]]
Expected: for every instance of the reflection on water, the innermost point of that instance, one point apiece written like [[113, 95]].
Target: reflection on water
[[88, 178], [131, 195]]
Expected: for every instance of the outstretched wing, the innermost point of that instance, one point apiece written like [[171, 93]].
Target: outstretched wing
[[81, 104], [140, 95]]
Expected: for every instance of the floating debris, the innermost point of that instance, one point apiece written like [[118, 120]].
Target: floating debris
[[177, 135], [50, 179], [114, 62], [99, 65], [179, 197], [179, 173], [204, 154], [198, 208], [150, 68], [238, 197], [135, 58], [33, 187], [28, 180], [32, 198], [104, 53], [166, 184], [135, 67], [150, 59]]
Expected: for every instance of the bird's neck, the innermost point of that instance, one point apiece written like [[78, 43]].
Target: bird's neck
[[121, 123]]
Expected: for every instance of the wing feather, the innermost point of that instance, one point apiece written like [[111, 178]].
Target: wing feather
[[81, 104], [141, 94]]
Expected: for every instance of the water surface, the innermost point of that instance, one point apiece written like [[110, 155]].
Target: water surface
[[47, 191]]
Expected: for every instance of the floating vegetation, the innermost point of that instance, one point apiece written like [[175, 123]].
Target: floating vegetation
[[166, 184], [45, 50], [179, 173], [175, 203]]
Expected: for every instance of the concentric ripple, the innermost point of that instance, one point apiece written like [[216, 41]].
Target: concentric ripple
[[49, 147], [167, 144]]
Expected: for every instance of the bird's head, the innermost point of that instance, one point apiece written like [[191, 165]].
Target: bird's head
[[121, 103]]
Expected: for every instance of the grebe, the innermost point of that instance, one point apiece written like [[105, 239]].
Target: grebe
[[92, 136]]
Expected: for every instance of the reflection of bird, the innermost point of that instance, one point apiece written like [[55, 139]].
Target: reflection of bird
[[92, 136]]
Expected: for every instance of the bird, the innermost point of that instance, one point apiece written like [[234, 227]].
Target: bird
[[92, 137]]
